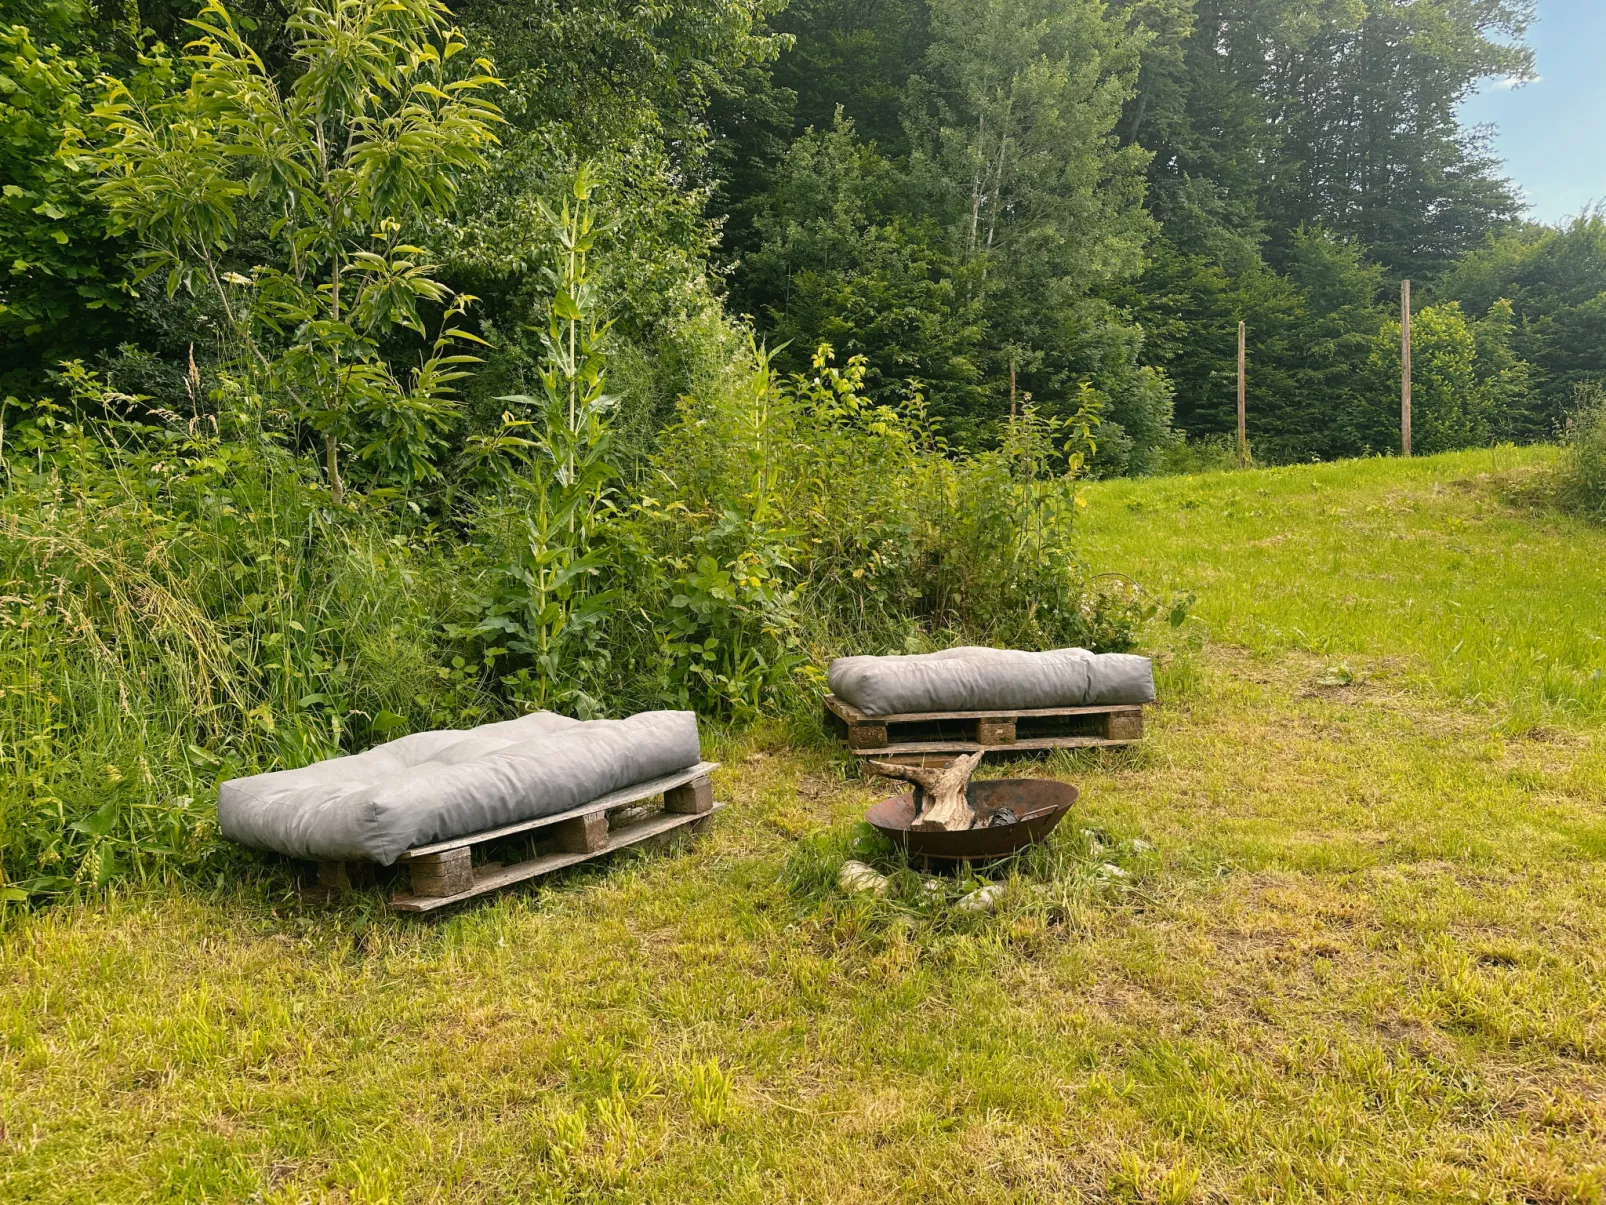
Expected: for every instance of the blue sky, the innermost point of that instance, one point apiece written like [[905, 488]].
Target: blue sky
[[1552, 133]]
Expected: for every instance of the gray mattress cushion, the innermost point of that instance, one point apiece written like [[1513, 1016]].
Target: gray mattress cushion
[[433, 786], [975, 679]]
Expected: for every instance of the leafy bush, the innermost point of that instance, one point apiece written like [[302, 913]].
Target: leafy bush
[[63, 282], [377, 129], [851, 528], [1582, 477], [175, 609], [1449, 404], [783, 521]]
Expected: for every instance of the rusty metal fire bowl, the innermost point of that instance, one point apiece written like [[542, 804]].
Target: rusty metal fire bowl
[[1038, 803]]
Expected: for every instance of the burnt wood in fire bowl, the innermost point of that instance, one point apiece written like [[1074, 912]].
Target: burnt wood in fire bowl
[[1038, 803]]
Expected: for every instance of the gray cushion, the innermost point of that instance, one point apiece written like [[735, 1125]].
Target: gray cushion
[[433, 786], [976, 679]]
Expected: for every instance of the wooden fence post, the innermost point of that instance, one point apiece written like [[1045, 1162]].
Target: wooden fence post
[[1405, 367], [1243, 430]]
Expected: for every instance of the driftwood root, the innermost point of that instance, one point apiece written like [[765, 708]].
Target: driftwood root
[[940, 800]]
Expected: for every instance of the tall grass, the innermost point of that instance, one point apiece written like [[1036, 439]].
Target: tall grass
[[1581, 476], [175, 610]]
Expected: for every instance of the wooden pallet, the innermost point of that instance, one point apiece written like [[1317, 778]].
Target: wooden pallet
[[910, 735], [444, 873]]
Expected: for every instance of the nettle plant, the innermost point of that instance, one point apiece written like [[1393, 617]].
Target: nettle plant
[[382, 118]]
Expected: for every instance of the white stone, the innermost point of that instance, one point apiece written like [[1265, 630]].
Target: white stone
[[982, 899], [856, 876]]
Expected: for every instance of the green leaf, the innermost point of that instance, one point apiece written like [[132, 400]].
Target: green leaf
[[1180, 606], [386, 721], [100, 822], [564, 306]]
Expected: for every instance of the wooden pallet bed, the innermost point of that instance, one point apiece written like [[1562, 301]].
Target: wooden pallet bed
[[444, 873], [906, 736]]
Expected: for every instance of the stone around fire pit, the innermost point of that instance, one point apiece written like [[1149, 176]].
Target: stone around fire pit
[[856, 876], [983, 899]]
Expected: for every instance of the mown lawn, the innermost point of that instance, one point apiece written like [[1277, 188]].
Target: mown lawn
[[1363, 959]]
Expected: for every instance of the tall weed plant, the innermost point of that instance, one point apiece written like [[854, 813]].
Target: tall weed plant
[[178, 607], [1581, 483], [544, 602]]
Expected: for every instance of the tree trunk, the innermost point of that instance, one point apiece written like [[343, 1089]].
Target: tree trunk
[[331, 460], [940, 801]]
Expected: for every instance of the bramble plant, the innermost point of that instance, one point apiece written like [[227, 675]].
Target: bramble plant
[[378, 128]]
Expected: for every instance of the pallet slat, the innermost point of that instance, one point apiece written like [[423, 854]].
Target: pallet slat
[[488, 879], [1029, 744], [642, 790], [853, 715]]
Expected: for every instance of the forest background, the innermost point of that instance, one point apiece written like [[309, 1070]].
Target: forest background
[[378, 364]]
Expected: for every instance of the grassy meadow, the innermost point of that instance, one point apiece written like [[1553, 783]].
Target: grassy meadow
[[1433, 573], [1333, 932]]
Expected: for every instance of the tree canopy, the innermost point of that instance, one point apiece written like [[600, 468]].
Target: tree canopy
[[1066, 202]]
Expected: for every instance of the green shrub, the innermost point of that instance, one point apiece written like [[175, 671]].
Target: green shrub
[[176, 608], [1450, 406], [65, 278], [853, 530], [1582, 476], [784, 520], [371, 128], [1209, 454], [179, 604]]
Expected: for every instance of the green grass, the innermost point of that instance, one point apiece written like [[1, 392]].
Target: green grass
[[1423, 570], [1361, 962]]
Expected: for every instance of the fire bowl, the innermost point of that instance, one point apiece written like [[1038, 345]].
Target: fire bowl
[[1038, 804]]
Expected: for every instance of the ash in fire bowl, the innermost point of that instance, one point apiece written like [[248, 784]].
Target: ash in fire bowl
[[1008, 814]]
